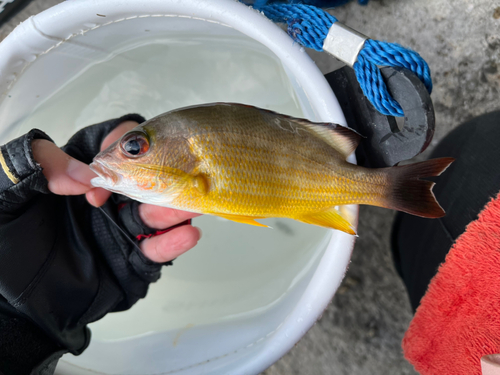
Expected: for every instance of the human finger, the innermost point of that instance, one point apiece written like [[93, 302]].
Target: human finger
[[163, 217], [65, 175], [170, 245]]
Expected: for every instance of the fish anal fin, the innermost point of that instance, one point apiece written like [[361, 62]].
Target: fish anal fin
[[347, 213], [330, 218], [243, 219]]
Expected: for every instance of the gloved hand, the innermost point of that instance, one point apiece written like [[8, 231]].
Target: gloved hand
[[63, 264]]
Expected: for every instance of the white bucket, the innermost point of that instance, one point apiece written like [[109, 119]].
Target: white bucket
[[246, 305]]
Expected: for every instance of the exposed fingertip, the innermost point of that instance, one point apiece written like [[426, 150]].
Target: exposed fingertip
[[170, 245], [97, 196], [200, 232], [91, 198]]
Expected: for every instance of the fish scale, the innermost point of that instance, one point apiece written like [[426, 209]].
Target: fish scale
[[277, 185]]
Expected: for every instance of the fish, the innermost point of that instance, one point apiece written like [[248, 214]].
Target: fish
[[244, 163]]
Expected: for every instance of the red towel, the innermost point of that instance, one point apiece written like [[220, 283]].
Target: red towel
[[458, 320]]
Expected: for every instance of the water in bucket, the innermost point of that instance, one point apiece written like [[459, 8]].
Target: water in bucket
[[236, 271]]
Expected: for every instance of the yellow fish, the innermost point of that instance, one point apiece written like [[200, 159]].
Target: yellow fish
[[244, 163]]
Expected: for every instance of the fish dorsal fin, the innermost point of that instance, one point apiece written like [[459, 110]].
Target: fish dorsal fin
[[243, 219], [330, 218], [341, 138]]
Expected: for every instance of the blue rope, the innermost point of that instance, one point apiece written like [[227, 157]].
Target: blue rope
[[317, 3], [309, 26], [372, 83], [392, 54]]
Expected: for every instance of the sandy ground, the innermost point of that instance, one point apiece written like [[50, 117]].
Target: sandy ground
[[361, 331]]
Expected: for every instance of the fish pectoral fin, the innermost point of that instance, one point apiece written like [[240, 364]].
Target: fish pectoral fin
[[200, 183], [330, 218], [243, 219]]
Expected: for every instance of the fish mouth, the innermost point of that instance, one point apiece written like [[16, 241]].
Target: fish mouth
[[106, 176]]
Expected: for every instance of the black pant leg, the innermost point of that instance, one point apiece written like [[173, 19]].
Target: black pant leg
[[420, 245]]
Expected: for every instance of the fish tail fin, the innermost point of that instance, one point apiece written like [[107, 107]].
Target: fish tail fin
[[408, 193]]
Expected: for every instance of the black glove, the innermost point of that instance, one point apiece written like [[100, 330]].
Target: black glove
[[63, 264]]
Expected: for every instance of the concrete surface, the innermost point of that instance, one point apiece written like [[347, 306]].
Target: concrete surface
[[361, 331]]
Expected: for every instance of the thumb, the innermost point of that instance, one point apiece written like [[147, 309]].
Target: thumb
[[66, 175]]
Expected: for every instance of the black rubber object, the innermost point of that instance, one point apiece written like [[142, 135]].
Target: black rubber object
[[385, 144]]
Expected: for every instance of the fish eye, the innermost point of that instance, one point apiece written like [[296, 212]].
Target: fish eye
[[134, 144]]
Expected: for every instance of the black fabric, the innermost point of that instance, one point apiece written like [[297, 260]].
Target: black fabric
[[5, 181], [63, 264], [420, 245], [17, 335], [18, 154], [129, 214], [18, 158]]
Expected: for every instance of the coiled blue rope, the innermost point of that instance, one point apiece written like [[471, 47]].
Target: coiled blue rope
[[309, 26]]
